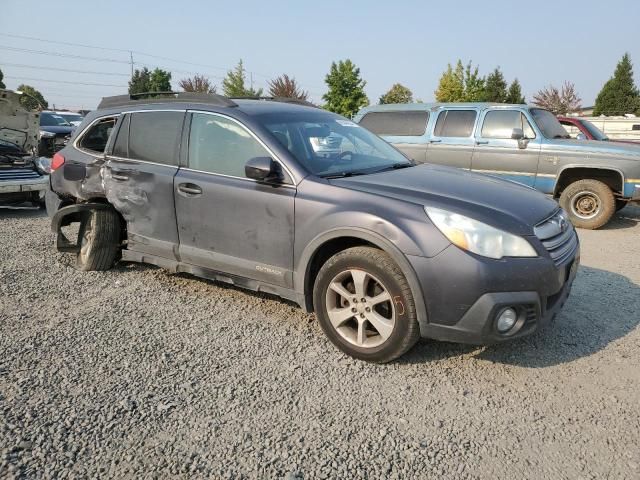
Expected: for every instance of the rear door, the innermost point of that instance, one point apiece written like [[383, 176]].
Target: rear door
[[228, 222], [452, 140], [498, 154], [138, 179], [405, 130]]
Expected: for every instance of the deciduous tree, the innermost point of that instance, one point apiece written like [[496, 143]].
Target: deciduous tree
[[398, 93], [620, 94], [558, 101], [460, 84], [197, 83], [286, 87], [346, 89], [32, 98]]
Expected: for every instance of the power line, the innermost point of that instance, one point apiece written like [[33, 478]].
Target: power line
[[62, 81], [64, 69], [71, 44], [58, 54]]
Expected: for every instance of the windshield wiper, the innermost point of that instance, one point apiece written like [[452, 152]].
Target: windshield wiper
[[342, 174], [395, 166]]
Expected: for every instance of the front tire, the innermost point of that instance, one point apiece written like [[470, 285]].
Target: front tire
[[589, 203], [364, 305], [99, 241]]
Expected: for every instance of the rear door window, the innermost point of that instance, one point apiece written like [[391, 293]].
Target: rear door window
[[499, 124], [400, 124], [455, 123], [96, 137], [154, 136]]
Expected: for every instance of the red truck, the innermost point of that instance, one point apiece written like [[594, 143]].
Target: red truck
[[589, 130]]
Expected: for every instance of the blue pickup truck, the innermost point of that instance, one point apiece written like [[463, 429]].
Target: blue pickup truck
[[526, 144]]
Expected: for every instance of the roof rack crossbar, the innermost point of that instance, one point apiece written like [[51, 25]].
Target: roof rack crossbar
[[164, 97]]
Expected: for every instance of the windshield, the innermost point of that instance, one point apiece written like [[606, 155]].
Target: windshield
[[71, 117], [548, 124], [330, 145], [595, 132], [50, 120]]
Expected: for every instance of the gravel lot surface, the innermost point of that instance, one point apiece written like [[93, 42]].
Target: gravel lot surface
[[136, 372]]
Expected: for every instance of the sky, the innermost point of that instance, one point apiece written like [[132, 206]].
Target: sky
[[405, 41]]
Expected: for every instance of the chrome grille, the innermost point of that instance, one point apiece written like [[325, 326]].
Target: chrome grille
[[18, 174], [558, 236]]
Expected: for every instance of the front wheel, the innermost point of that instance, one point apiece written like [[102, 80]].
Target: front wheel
[[589, 203], [365, 306]]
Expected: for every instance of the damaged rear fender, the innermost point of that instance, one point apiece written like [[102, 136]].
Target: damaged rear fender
[[77, 213]]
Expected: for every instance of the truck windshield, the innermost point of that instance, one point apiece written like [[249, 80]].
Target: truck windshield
[[595, 132], [548, 124], [330, 145]]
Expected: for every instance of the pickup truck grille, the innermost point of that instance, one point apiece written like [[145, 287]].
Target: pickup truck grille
[[18, 174], [558, 236]]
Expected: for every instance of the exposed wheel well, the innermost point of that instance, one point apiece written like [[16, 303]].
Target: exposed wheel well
[[611, 178], [123, 222], [324, 253]]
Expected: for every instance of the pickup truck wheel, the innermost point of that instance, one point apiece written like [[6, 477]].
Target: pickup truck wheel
[[365, 306], [589, 203], [99, 241]]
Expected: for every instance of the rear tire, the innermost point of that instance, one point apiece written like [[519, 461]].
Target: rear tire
[[99, 241], [365, 306], [590, 204]]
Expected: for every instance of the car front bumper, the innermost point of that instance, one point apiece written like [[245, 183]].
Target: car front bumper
[[25, 185], [465, 293]]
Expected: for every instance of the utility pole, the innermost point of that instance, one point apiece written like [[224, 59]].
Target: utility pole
[[131, 56]]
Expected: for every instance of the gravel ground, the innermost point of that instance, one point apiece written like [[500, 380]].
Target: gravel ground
[[136, 372]]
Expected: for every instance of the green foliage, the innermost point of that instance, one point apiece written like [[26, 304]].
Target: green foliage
[[32, 98], [160, 81], [140, 81], [287, 87], [234, 83], [398, 93], [620, 94], [514, 95], [495, 89], [346, 89], [462, 84], [2, 85]]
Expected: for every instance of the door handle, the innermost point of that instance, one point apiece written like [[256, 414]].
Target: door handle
[[435, 141], [482, 142], [190, 189]]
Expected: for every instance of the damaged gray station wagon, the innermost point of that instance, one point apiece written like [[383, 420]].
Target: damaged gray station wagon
[[280, 197]]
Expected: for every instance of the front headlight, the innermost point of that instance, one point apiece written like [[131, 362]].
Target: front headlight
[[478, 237], [45, 134], [43, 164]]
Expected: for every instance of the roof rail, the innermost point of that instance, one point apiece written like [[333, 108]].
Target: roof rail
[[165, 97], [297, 101]]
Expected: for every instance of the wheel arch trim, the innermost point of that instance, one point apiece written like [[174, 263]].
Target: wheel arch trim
[[587, 167]]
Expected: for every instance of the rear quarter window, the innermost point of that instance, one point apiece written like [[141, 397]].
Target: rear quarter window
[[96, 137], [400, 124], [154, 136]]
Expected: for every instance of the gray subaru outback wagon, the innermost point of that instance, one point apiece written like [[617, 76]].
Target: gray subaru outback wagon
[[296, 201]]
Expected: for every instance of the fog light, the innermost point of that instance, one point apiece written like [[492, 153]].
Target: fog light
[[506, 320]]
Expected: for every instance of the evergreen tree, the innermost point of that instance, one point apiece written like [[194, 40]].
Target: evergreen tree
[[140, 81], [473, 85], [160, 81], [234, 83], [495, 89], [346, 89], [620, 94], [514, 95], [451, 84], [32, 98], [2, 85], [398, 93]]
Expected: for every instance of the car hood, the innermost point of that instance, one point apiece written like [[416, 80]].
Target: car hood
[[18, 126], [58, 129], [595, 147], [501, 203]]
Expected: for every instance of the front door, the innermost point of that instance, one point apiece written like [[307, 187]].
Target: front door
[[138, 179], [226, 221], [498, 154], [452, 140]]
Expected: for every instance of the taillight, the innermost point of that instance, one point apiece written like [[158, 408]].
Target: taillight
[[57, 162]]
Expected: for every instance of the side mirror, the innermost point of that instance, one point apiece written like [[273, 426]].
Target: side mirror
[[518, 134], [262, 169], [581, 136]]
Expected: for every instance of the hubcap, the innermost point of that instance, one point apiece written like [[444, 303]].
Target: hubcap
[[585, 205], [360, 308]]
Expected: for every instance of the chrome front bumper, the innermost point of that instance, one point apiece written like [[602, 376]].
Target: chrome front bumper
[[25, 185]]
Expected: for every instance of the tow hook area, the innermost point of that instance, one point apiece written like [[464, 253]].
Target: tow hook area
[[64, 217]]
